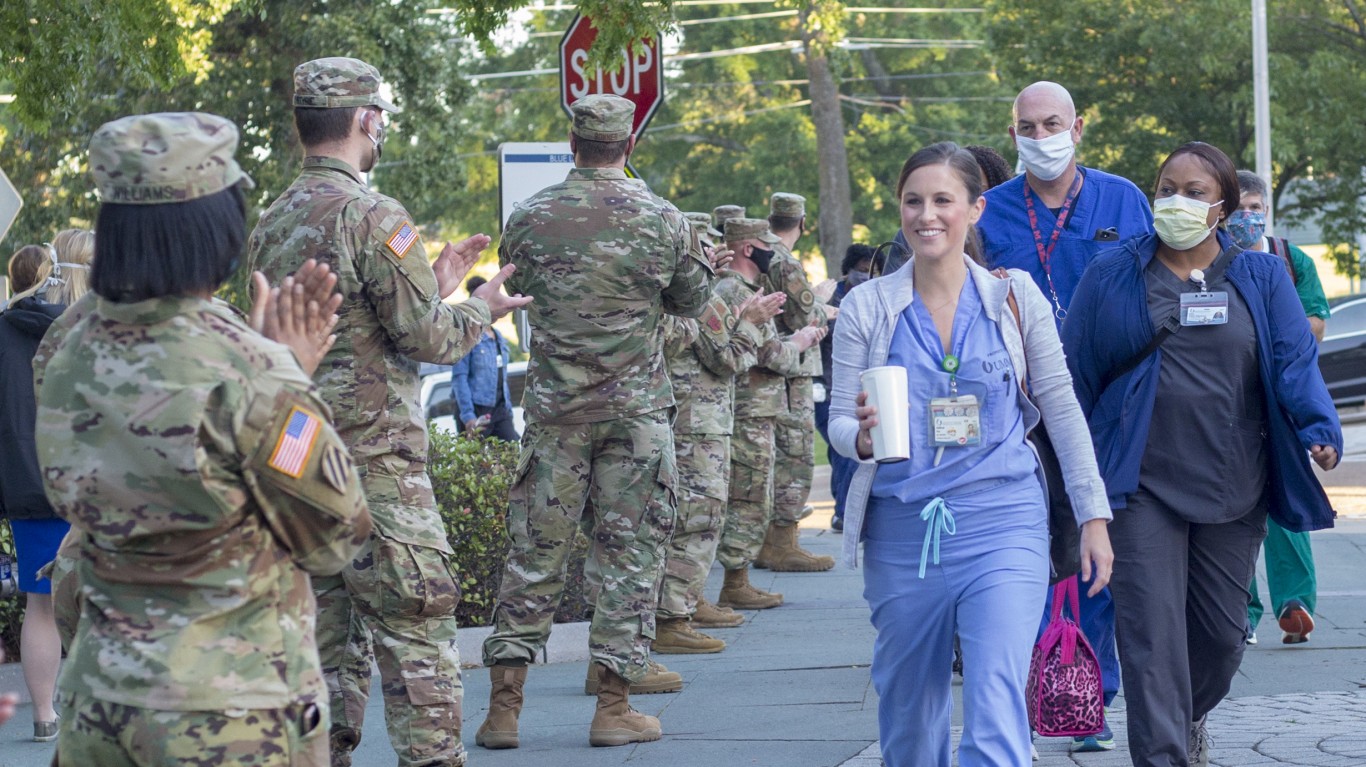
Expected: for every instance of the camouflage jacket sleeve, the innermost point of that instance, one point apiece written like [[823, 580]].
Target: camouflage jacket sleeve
[[690, 288], [779, 354], [678, 333], [726, 345], [56, 331], [314, 505], [787, 276], [399, 282]]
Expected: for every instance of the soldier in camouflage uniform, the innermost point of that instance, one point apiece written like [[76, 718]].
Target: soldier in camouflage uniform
[[760, 396], [606, 259], [199, 469], [703, 357], [723, 213], [794, 461], [400, 590]]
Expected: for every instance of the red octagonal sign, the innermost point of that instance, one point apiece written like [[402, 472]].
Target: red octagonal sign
[[640, 78]]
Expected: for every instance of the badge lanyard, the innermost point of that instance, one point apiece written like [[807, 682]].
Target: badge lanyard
[[1205, 307], [1046, 253], [954, 421]]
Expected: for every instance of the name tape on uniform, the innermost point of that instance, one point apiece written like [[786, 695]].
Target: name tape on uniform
[[295, 443]]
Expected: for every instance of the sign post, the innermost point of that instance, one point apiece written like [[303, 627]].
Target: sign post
[[10, 203], [639, 78]]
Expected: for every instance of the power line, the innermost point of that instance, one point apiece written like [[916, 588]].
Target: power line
[[724, 118]]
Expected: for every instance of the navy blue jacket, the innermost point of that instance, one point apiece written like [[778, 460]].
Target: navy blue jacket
[[22, 326], [1108, 323]]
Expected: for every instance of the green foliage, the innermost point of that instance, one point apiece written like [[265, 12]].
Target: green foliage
[[471, 479], [11, 608], [619, 24], [1149, 76]]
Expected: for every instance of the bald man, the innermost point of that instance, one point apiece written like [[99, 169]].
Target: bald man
[[1051, 221]]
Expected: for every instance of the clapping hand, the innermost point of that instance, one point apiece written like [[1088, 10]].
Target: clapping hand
[[761, 307], [720, 256], [456, 261], [492, 294], [301, 313], [808, 336]]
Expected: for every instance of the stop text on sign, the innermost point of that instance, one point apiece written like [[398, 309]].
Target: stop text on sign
[[625, 81]]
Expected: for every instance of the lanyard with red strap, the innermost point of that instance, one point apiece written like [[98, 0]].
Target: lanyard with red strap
[[1046, 254]]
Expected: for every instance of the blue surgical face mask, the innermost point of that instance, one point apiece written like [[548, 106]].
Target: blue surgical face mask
[[857, 278], [1247, 227]]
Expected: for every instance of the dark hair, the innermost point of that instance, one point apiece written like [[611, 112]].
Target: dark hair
[[1217, 163], [25, 267], [994, 167], [854, 255], [596, 153], [323, 126], [474, 283], [173, 249], [780, 224], [1251, 183], [964, 164]]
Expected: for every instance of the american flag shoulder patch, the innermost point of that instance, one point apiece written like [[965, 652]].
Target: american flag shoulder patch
[[402, 241], [295, 443]]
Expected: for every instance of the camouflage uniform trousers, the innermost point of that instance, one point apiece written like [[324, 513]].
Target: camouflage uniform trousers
[[622, 468], [794, 461], [703, 480], [97, 732], [394, 603], [750, 507]]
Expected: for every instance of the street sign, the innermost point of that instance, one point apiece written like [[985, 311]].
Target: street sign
[[10, 203], [640, 78], [526, 168]]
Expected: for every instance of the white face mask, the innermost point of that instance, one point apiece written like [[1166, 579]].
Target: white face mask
[[1180, 221], [1048, 157]]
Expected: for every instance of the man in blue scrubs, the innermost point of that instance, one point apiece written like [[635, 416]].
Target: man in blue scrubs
[[1051, 221]]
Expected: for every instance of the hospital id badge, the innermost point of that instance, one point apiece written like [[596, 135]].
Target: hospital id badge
[[1204, 308], [955, 421]]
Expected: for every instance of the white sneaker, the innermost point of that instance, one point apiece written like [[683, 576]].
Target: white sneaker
[[1252, 638]]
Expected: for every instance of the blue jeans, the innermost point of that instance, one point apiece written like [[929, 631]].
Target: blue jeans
[[841, 468]]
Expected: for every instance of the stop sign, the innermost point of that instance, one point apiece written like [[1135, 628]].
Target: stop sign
[[639, 78]]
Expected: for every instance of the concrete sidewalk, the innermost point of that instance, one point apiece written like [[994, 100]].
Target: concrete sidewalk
[[793, 690]]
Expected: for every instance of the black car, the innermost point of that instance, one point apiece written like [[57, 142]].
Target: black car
[[1342, 355]]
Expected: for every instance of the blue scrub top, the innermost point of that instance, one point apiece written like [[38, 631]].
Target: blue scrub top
[[1104, 202], [985, 370]]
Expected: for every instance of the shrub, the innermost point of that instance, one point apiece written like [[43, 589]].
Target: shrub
[[471, 479], [11, 608]]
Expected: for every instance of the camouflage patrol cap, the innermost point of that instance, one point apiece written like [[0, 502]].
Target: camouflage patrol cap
[[787, 205], [723, 213], [338, 82], [167, 157], [702, 223], [749, 229], [603, 117]]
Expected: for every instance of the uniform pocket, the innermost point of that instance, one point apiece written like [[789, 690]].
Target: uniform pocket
[[414, 581]]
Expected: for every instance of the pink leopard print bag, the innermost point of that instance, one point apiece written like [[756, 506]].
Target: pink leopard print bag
[[1064, 690]]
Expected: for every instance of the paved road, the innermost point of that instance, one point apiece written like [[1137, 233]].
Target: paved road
[[792, 690]]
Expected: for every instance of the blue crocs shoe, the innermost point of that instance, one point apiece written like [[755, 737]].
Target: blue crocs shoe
[[1101, 741]]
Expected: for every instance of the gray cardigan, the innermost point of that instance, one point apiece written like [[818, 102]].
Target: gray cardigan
[[863, 338]]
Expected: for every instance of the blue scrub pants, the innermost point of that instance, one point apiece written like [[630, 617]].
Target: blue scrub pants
[[989, 587]]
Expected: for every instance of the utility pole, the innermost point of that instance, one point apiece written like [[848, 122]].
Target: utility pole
[[1261, 97]]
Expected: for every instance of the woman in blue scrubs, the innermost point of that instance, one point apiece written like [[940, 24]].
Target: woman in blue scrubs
[[956, 538]]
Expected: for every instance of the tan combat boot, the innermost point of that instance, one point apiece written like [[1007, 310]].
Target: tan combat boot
[[616, 723], [782, 554], [499, 729], [656, 679], [676, 636], [709, 616], [736, 592]]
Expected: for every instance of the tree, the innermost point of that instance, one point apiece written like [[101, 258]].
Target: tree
[[1149, 76], [822, 25]]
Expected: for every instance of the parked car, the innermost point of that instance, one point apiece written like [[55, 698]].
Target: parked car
[[439, 406], [1342, 355]]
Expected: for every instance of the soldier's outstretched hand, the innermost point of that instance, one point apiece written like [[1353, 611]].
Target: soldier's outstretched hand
[[300, 314], [492, 292], [456, 261], [761, 307]]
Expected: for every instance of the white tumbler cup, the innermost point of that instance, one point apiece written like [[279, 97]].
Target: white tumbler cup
[[886, 387]]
